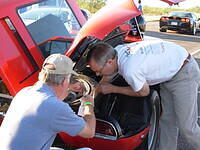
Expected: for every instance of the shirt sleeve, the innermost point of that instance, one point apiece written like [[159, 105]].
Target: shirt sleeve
[[135, 79], [65, 120]]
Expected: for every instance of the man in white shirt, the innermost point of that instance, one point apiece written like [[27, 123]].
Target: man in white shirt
[[147, 63]]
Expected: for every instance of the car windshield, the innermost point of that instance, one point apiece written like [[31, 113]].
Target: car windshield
[[180, 14], [49, 18], [37, 13]]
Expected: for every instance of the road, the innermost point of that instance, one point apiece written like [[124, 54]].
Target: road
[[191, 43]]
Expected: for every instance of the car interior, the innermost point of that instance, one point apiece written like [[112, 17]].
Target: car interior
[[118, 116]]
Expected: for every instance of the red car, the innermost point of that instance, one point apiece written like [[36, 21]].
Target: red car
[[123, 122]]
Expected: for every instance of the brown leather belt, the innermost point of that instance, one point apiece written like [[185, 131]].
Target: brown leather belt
[[186, 60]]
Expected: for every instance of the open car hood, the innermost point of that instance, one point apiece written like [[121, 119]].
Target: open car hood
[[106, 20], [170, 2]]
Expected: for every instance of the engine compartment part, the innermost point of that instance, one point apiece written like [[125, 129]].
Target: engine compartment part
[[118, 116]]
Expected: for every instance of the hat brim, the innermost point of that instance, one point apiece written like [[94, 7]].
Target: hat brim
[[74, 73]]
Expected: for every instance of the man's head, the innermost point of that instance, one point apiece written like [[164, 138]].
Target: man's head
[[102, 59], [56, 72]]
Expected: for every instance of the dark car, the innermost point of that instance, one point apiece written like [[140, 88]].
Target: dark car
[[180, 21]]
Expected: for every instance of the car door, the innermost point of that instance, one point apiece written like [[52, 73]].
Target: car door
[[26, 41]]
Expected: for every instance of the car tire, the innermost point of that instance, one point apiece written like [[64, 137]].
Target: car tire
[[163, 30], [150, 141], [194, 30], [154, 120]]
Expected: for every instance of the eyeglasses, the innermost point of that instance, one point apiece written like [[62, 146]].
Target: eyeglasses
[[100, 70]]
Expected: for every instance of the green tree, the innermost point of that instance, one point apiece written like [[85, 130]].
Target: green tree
[[164, 11], [91, 5]]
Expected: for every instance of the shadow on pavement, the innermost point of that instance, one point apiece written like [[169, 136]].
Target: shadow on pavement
[[172, 36]]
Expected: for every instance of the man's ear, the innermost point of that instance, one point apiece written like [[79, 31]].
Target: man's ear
[[110, 61]]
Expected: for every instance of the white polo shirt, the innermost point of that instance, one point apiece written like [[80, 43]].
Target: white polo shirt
[[153, 61]]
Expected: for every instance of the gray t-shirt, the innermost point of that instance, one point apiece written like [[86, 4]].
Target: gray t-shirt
[[35, 117]]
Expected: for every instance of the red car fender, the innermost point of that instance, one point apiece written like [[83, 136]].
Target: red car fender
[[128, 143]]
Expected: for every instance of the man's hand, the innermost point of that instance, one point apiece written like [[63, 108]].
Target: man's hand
[[87, 98], [105, 88], [87, 111]]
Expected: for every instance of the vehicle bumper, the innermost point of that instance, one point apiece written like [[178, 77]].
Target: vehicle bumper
[[177, 27]]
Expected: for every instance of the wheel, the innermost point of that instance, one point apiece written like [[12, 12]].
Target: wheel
[[154, 120], [150, 140], [163, 30], [194, 30], [155, 105]]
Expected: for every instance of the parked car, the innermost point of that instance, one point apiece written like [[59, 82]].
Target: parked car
[[123, 122], [180, 21]]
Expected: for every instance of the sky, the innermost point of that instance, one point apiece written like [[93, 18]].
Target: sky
[[185, 4]]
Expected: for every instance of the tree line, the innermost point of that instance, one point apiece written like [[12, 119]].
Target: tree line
[[95, 5], [163, 11]]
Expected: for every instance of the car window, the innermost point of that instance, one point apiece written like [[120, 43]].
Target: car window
[[180, 14], [47, 20]]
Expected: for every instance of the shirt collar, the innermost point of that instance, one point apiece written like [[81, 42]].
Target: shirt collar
[[44, 88]]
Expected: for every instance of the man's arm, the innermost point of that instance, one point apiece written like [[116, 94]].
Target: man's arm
[[107, 88], [89, 129], [89, 117]]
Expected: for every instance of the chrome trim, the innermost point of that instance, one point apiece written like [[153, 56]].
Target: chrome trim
[[88, 85], [104, 136]]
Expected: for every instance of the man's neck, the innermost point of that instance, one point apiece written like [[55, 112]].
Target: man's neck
[[58, 90]]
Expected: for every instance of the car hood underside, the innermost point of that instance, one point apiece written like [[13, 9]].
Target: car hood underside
[[106, 20]]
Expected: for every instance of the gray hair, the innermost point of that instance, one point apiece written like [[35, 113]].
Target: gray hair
[[53, 79], [101, 52]]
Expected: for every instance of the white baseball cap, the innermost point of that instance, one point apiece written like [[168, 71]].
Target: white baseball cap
[[63, 65]]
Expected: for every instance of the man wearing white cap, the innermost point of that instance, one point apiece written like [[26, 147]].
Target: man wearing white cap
[[37, 113]]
